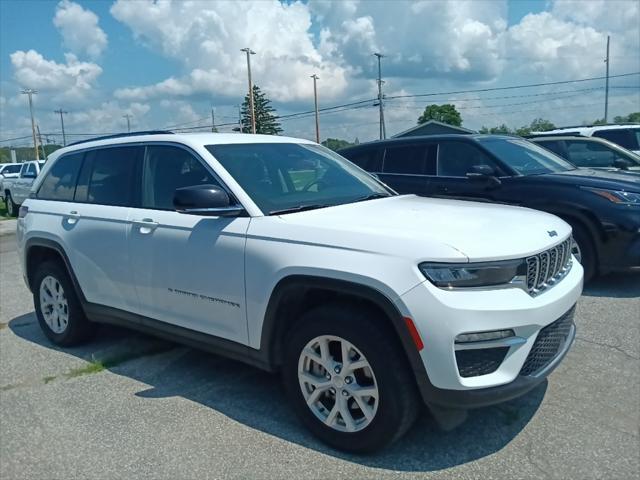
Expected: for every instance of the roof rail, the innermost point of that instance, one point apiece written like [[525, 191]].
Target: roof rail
[[123, 135], [592, 125]]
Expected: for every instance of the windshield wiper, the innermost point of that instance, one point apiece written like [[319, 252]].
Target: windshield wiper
[[372, 196], [298, 208]]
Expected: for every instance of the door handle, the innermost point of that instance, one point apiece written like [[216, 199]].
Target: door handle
[[146, 225], [72, 217]]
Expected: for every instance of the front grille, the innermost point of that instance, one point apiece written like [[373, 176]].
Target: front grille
[[481, 361], [549, 342], [546, 268]]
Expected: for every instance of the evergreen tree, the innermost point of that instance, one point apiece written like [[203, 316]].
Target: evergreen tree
[[266, 118]]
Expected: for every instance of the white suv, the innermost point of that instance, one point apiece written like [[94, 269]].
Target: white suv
[[280, 253], [626, 135]]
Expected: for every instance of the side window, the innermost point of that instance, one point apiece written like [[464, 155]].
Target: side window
[[591, 154], [556, 147], [410, 159], [23, 170], [60, 182], [368, 159], [167, 168], [456, 159], [622, 137], [107, 176], [31, 169]]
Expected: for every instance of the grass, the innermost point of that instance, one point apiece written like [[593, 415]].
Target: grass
[[3, 212], [99, 365]]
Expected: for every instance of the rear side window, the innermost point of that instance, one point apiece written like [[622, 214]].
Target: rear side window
[[368, 159], [107, 176], [167, 168], [456, 159], [60, 182], [410, 159], [624, 137], [11, 169]]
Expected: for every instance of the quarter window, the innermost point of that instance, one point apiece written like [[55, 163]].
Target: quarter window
[[60, 182], [166, 169], [623, 137]]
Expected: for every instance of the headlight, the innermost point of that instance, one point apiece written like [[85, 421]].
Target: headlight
[[456, 275], [617, 196]]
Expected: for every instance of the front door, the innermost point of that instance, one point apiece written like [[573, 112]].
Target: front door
[[188, 270]]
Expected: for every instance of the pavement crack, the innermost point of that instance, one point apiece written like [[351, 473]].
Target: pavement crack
[[606, 345]]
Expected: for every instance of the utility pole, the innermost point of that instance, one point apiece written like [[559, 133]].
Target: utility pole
[[315, 99], [44, 154], [128, 117], [30, 92], [383, 131], [64, 137], [606, 88], [250, 52]]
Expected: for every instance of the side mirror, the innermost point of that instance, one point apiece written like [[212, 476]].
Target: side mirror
[[621, 164], [484, 173], [207, 200]]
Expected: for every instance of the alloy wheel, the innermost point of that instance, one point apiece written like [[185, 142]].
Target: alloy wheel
[[338, 383], [53, 304]]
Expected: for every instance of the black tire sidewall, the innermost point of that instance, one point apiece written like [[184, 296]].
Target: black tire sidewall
[[78, 326], [10, 206], [387, 425], [587, 250]]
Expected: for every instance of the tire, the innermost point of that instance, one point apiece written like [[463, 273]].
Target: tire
[[57, 306], [12, 208], [584, 250], [367, 338]]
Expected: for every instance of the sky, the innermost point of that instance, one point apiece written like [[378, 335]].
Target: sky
[[167, 64]]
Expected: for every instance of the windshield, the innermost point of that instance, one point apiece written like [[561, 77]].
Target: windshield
[[287, 176], [525, 157], [14, 168]]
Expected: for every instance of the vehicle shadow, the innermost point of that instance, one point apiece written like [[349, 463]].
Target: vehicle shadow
[[256, 399], [617, 285]]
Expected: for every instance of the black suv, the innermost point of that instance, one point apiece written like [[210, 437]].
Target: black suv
[[602, 207]]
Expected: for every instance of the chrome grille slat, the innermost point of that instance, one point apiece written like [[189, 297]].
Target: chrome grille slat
[[548, 267]]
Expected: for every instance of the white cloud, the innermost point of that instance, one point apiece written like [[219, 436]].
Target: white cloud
[[108, 118], [79, 29], [206, 38], [72, 80]]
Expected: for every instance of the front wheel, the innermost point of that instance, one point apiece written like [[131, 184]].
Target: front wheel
[[347, 380], [583, 250], [12, 208]]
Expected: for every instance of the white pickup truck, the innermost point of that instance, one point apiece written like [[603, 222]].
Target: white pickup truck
[[16, 190]]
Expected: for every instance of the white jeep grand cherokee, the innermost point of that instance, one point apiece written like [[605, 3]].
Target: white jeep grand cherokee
[[280, 253]]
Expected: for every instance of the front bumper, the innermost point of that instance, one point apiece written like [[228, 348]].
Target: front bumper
[[441, 315]]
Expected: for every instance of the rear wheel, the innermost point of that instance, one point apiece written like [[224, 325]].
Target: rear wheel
[[12, 208], [57, 306], [347, 380]]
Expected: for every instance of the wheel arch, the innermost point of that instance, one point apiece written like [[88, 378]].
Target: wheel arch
[[38, 250], [297, 293]]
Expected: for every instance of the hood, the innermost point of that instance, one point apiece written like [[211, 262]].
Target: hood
[[618, 180], [427, 229]]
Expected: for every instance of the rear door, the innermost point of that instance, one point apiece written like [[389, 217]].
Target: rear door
[[408, 168], [188, 269], [22, 185], [97, 225], [455, 160]]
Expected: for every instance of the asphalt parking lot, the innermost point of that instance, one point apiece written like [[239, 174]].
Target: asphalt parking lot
[[128, 405]]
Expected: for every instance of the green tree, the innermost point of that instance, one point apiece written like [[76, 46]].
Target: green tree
[[446, 113], [266, 118], [336, 144], [500, 129], [632, 117]]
